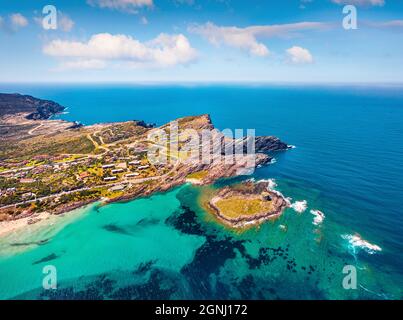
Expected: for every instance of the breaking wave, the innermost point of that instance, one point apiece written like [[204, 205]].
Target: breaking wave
[[300, 206], [319, 216], [356, 241]]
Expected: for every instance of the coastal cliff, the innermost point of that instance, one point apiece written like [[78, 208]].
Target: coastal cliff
[[37, 109]]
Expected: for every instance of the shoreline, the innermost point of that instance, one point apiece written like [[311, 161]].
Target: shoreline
[[8, 227]]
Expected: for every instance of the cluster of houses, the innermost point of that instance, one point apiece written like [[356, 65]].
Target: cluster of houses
[[118, 168], [12, 191], [27, 175], [7, 192], [23, 172]]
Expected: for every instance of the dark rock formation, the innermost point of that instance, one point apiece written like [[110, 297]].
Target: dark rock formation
[[262, 144], [143, 124], [76, 125], [269, 143]]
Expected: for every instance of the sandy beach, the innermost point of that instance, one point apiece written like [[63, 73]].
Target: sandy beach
[[7, 227]]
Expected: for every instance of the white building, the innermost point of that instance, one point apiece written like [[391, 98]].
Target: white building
[[135, 162], [110, 178]]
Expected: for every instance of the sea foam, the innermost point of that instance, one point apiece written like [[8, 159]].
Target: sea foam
[[271, 184], [357, 242], [300, 206], [319, 216]]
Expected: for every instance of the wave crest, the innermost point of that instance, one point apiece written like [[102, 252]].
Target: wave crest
[[356, 241]]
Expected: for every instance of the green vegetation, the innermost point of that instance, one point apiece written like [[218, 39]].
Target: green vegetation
[[235, 207], [199, 175], [73, 143], [80, 196]]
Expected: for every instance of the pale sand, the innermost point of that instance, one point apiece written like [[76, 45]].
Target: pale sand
[[7, 227], [43, 219]]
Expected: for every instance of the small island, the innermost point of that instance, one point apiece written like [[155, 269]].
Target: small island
[[247, 203]]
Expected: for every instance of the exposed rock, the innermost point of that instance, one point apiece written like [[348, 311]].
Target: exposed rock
[[249, 191], [262, 144], [269, 143], [143, 124], [75, 125]]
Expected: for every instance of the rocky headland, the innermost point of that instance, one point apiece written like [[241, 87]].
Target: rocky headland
[[36, 109]]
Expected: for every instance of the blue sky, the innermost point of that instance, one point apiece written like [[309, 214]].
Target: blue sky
[[201, 40]]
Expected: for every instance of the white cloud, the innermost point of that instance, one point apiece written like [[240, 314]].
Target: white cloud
[[163, 51], [65, 22], [379, 3], [130, 6], [247, 38], [18, 21], [298, 55]]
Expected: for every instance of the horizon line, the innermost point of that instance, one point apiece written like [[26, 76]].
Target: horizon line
[[207, 82]]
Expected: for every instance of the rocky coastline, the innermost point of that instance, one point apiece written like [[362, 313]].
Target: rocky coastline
[[195, 172]]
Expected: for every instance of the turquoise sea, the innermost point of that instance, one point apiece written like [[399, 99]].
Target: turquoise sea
[[347, 163]]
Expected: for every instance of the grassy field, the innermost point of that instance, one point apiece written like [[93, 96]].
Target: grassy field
[[69, 143], [236, 207]]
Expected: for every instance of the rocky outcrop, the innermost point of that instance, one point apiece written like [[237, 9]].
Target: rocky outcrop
[[269, 143], [143, 124], [37, 109], [249, 190], [262, 144]]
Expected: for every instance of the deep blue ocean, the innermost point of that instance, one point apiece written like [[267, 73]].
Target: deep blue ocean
[[347, 163]]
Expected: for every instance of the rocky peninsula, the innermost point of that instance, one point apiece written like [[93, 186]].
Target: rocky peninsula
[[55, 166]]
